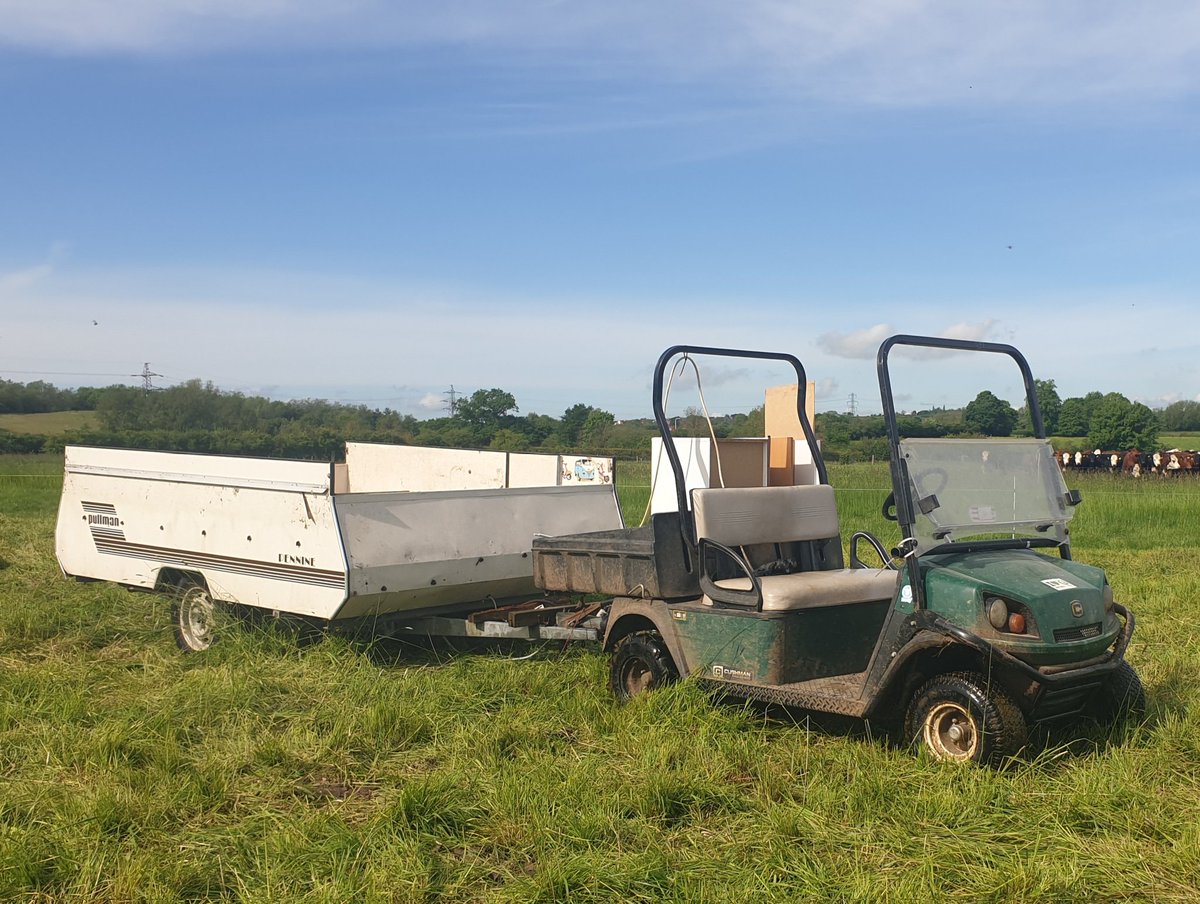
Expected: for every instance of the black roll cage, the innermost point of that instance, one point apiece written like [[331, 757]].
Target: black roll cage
[[687, 523]]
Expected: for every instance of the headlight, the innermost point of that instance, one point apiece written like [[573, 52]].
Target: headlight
[[997, 612], [1004, 616]]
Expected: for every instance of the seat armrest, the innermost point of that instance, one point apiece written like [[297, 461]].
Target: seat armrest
[[743, 599]]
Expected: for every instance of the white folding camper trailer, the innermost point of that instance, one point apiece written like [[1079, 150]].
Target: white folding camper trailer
[[411, 533]]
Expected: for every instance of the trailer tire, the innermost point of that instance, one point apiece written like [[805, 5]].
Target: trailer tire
[[1119, 699], [639, 664], [194, 615], [957, 717]]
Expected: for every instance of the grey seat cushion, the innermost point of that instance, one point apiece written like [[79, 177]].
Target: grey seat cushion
[[810, 589]]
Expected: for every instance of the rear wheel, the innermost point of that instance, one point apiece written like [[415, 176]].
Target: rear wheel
[[956, 717], [195, 617], [1120, 698], [639, 664]]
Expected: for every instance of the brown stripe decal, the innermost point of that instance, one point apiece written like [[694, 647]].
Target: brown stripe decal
[[295, 574]]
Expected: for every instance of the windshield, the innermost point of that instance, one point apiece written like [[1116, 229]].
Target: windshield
[[984, 489]]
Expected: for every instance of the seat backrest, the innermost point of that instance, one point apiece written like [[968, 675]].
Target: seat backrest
[[749, 516]]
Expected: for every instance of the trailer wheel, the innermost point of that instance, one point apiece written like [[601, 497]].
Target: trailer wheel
[[956, 717], [1120, 698], [195, 617], [640, 663]]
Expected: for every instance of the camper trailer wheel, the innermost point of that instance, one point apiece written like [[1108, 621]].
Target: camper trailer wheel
[[639, 664], [195, 619]]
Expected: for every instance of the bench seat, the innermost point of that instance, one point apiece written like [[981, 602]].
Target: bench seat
[[813, 589]]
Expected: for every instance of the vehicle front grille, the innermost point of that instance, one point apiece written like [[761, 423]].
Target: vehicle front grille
[[1083, 632]]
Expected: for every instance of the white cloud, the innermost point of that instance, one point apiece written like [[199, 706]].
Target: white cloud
[[19, 280], [973, 332], [864, 344], [885, 52], [827, 388], [859, 344], [16, 281], [431, 401]]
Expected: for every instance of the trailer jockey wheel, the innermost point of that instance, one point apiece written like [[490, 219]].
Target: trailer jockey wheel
[[956, 717], [195, 619], [639, 664]]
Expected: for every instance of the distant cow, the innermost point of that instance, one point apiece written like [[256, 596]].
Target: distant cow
[[1131, 463], [1176, 462]]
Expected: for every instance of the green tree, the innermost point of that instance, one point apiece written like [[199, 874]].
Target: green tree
[[571, 423], [753, 423], [990, 415], [1180, 417], [1050, 405], [507, 440], [833, 428], [484, 411], [596, 429], [1076, 414], [1118, 423]]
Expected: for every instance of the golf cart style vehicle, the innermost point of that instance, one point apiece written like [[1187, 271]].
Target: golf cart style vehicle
[[978, 624]]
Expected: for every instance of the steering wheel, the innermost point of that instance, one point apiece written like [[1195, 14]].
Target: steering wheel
[[889, 507]]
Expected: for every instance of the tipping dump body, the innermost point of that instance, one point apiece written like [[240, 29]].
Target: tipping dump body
[[643, 562], [274, 534]]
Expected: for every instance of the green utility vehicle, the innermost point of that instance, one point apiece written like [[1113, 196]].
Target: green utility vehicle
[[977, 625]]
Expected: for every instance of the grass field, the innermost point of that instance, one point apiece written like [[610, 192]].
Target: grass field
[[53, 423], [1165, 441], [268, 770], [1179, 440]]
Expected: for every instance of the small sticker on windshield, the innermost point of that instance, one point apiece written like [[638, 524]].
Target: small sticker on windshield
[[983, 514], [1058, 584]]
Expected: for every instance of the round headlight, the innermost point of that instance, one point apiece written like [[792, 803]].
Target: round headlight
[[997, 611]]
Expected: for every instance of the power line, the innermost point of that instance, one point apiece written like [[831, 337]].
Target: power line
[[65, 373], [452, 400]]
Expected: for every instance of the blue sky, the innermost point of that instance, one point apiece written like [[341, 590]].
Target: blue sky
[[373, 201]]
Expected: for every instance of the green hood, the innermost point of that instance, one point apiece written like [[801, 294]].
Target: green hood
[[1052, 590]]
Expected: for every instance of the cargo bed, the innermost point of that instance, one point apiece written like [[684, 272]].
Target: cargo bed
[[642, 562]]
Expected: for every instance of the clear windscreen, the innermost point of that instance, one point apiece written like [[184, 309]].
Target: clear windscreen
[[984, 489]]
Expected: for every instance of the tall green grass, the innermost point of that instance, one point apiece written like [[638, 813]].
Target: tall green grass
[[266, 770]]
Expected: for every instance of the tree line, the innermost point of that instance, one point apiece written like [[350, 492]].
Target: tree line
[[199, 417]]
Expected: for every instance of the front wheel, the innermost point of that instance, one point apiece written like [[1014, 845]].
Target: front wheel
[[957, 717], [640, 663], [1120, 698]]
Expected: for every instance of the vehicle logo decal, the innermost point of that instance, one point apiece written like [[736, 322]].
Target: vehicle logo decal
[[1077, 608], [727, 674]]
